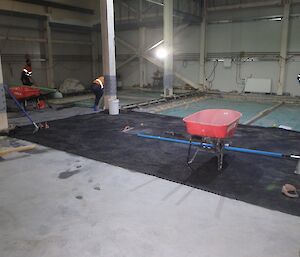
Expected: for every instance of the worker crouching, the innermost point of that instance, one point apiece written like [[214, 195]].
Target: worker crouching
[[97, 88]]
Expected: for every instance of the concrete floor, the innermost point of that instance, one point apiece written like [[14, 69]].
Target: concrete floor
[[47, 115], [126, 96], [56, 204]]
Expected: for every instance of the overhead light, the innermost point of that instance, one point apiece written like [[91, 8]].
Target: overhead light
[[276, 19], [161, 53]]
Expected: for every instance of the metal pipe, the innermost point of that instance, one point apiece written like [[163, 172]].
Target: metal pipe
[[228, 148]]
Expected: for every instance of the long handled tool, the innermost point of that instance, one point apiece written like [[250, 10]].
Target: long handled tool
[[36, 127], [226, 147]]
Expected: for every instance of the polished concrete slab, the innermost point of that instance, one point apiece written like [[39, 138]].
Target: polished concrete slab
[[285, 115], [56, 204], [247, 108]]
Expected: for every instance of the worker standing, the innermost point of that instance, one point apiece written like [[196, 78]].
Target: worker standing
[[97, 87], [26, 75]]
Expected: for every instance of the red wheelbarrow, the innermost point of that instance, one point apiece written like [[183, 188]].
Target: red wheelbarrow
[[25, 93], [212, 127]]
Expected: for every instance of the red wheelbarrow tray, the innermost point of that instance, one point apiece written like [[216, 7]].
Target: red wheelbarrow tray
[[24, 92], [213, 123]]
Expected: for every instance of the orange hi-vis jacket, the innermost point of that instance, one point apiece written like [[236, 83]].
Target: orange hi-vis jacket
[[99, 81], [27, 70]]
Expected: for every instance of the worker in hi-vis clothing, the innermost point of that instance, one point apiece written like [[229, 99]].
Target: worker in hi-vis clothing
[[97, 87], [26, 74]]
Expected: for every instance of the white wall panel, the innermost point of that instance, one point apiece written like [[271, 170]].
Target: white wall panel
[[257, 36], [294, 39]]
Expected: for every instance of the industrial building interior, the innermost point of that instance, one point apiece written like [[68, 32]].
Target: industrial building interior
[[149, 128]]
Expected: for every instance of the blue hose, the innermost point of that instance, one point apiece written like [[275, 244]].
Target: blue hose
[[259, 152], [228, 148]]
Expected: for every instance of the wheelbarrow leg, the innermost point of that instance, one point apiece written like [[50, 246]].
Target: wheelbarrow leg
[[191, 160], [297, 170], [189, 151], [220, 161], [220, 146]]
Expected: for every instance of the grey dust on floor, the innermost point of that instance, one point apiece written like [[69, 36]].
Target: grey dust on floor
[[56, 204]]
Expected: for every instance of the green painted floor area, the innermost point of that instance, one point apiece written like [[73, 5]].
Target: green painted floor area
[[287, 115], [248, 109]]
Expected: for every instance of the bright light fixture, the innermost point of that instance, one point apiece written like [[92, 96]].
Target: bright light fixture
[[276, 19], [161, 53]]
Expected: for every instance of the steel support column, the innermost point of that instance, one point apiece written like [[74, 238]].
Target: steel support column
[[3, 114], [168, 44], [95, 54], [203, 45], [142, 35], [108, 50], [49, 55], [284, 46]]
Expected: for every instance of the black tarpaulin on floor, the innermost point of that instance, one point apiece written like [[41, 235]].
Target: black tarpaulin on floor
[[250, 178]]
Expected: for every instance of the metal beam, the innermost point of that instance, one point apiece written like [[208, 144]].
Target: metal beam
[[128, 7], [245, 5], [71, 28], [283, 48], [25, 39], [178, 30], [176, 74], [58, 6], [158, 63], [43, 40], [178, 13], [108, 50], [124, 43], [71, 42], [249, 5], [168, 45], [131, 58]]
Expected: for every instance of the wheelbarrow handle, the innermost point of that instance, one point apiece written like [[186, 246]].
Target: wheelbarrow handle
[[20, 107]]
